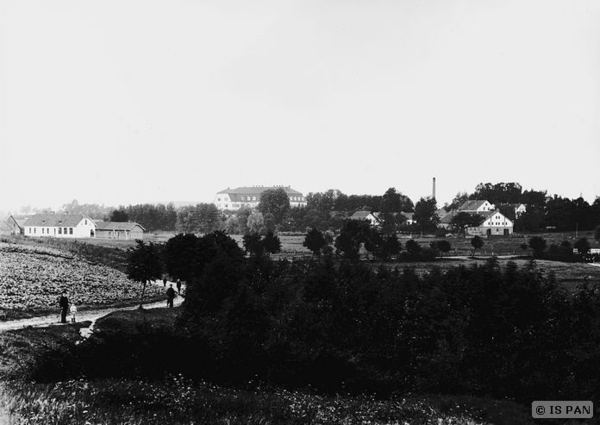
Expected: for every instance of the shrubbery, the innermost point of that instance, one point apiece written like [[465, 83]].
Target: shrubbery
[[345, 326]]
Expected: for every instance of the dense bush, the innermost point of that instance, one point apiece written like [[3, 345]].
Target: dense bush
[[344, 326]]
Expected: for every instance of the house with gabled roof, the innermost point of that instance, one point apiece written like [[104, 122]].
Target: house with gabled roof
[[372, 217], [60, 226], [119, 230], [494, 222], [249, 196]]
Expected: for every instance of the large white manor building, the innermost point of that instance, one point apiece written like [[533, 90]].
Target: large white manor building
[[233, 199]]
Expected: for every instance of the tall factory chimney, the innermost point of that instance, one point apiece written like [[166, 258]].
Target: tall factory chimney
[[433, 191]]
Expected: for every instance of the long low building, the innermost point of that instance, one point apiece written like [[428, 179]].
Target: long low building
[[118, 230], [60, 226]]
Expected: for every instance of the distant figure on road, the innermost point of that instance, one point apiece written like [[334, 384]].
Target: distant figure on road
[[165, 282], [63, 302], [170, 296], [179, 286], [73, 311]]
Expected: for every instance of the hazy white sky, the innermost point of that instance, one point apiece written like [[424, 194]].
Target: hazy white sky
[[119, 102]]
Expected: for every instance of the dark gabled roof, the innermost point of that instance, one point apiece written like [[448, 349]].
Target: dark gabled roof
[[471, 205], [56, 220], [362, 215], [116, 225]]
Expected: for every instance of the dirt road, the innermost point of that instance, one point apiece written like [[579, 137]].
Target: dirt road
[[82, 316]]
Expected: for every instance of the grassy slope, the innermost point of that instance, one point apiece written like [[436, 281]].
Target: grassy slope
[[178, 401]]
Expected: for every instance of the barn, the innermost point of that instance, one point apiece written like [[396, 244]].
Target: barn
[[119, 230]]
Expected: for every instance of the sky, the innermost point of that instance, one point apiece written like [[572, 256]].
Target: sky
[[125, 102]]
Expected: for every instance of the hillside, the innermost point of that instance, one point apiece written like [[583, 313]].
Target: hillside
[[32, 277]]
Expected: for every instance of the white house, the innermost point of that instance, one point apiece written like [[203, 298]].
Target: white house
[[60, 226], [520, 209], [495, 224], [233, 199]]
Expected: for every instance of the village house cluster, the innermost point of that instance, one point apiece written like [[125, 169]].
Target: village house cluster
[[494, 222], [73, 226]]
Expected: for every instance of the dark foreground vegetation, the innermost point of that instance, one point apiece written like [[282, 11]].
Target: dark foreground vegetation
[[321, 327], [41, 386]]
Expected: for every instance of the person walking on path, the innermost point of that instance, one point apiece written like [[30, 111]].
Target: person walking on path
[[73, 311], [179, 286], [63, 302], [170, 296], [165, 282]]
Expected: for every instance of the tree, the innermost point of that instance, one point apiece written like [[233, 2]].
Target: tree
[[181, 257], [314, 241], [119, 216], [426, 215], [582, 245], [459, 199], [274, 201], [476, 243], [443, 246], [597, 233], [242, 215], [537, 245], [269, 223], [271, 243], [143, 264], [352, 234], [253, 244], [255, 222], [391, 246], [461, 220], [413, 248]]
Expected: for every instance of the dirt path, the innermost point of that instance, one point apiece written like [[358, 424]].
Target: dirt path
[[82, 316]]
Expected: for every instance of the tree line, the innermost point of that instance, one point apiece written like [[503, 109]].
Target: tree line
[[328, 210]]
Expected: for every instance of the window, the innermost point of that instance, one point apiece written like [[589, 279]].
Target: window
[[86, 222], [42, 230], [34, 229], [60, 230], [70, 230], [65, 230]]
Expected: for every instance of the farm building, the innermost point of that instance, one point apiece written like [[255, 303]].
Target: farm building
[[117, 230], [232, 199], [60, 226], [373, 218], [494, 224], [15, 223]]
